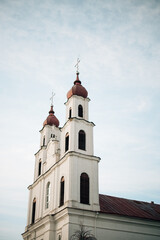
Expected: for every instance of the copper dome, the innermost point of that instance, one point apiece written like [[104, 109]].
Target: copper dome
[[51, 119], [77, 89]]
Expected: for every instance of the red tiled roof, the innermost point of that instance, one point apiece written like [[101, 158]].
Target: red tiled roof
[[131, 208]]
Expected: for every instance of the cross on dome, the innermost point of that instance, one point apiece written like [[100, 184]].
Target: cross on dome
[[53, 94], [77, 65], [51, 119], [77, 88]]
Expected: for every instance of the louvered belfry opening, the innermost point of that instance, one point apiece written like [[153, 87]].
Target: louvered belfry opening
[[82, 140], [84, 188], [62, 192], [33, 210], [80, 111]]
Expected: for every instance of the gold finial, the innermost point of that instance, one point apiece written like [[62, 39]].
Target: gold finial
[[77, 65]]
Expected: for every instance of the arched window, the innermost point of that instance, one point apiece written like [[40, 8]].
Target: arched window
[[44, 141], [62, 191], [82, 140], [84, 188], [39, 167], [70, 113], [33, 210], [48, 189], [80, 111], [66, 142]]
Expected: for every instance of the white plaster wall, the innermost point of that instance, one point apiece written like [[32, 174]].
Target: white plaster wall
[[46, 131], [53, 152], [35, 193], [38, 191], [70, 167], [39, 156], [49, 153], [115, 227], [61, 222], [48, 178], [62, 170], [42, 230], [73, 103], [73, 126], [77, 165], [29, 209], [112, 227], [103, 226]]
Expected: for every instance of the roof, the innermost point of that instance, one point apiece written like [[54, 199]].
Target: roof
[[51, 119], [77, 89], [129, 208]]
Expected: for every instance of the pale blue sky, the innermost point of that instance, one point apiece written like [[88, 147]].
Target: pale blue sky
[[118, 43]]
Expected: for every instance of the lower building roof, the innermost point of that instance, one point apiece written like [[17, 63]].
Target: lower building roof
[[129, 208]]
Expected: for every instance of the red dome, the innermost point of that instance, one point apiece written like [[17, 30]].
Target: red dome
[[77, 89], [51, 119]]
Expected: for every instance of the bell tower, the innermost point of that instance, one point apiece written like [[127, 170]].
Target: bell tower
[[77, 149], [66, 171]]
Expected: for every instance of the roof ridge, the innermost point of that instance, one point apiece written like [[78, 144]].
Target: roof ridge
[[136, 201]]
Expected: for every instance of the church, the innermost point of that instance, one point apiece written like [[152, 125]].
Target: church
[[65, 194]]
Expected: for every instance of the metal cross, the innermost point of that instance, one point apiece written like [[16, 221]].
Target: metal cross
[[53, 94], [77, 65]]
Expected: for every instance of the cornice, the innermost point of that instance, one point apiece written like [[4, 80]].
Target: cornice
[[62, 159], [78, 119]]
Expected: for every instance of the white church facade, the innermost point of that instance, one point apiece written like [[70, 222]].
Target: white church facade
[[65, 194]]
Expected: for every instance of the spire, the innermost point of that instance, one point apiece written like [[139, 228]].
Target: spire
[[77, 65], [77, 88], [51, 119], [77, 81], [53, 94], [51, 110]]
